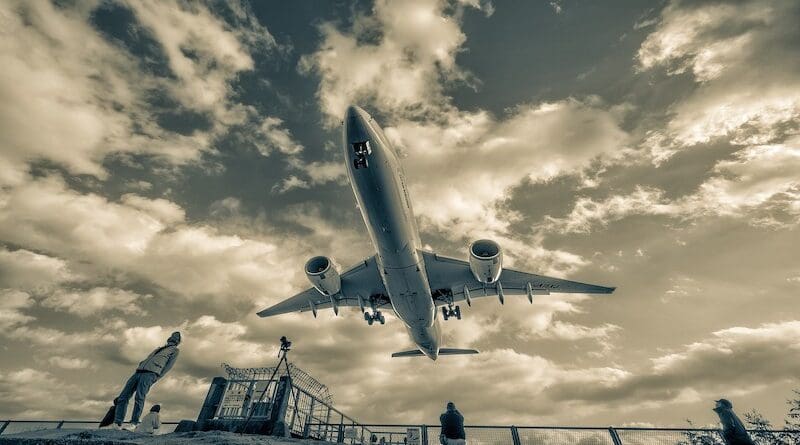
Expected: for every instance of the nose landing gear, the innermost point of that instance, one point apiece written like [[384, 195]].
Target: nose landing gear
[[361, 151], [375, 316], [451, 311]]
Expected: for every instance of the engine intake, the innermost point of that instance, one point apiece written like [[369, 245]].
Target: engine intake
[[323, 276], [485, 260]]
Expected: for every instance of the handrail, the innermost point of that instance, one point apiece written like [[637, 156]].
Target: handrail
[[556, 427]]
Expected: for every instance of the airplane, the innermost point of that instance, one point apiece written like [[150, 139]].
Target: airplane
[[401, 275]]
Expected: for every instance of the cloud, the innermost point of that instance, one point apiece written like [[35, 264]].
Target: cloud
[[394, 57], [761, 183], [26, 270], [731, 358], [95, 301], [69, 363], [141, 238], [12, 303], [725, 46], [274, 138], [92, 98]]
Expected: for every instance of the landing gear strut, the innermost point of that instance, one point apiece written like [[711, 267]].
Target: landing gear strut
[[451, 311], [375, 316]]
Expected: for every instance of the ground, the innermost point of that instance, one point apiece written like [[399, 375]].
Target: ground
[[67, 436]]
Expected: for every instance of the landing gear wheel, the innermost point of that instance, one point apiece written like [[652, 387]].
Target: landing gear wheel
[[370, 321], [458, 312], [381, 319], [445, 313]]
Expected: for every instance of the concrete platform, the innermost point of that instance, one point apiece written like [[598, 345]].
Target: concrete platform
[[66, 436]]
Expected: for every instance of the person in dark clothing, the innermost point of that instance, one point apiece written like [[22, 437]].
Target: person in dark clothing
[[108, 419], [452, 426], [155, 366], [733, 430]]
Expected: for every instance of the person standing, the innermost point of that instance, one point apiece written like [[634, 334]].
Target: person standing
[[733, 430], [149, 371], [452, 426]]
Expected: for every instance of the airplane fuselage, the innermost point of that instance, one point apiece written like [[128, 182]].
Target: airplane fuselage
[[379, 186]]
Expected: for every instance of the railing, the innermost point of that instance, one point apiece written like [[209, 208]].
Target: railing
[[347, 431], [396, 434], [20, 426]]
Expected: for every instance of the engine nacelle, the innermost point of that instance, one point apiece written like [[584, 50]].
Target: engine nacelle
[[485, 260], [323, 276]]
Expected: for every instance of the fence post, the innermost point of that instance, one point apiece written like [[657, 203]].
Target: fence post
[[614, 436], [60, 424], [515, 435], [4, 426], [340, 435], [425, 435]]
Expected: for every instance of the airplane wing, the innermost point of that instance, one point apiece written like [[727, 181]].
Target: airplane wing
[[450, 276], [362, 279]]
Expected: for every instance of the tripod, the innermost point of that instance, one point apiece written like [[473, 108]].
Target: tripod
[[286, 346]]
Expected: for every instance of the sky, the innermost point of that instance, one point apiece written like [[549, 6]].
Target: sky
[[172, 165]]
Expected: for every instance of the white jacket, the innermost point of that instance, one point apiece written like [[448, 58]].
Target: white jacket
[[150, 423]]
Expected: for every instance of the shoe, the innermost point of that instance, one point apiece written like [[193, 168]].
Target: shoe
[[115, 426], [131, 427]]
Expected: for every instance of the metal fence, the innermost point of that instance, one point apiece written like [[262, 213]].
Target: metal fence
[[396, 434], [342, 429]]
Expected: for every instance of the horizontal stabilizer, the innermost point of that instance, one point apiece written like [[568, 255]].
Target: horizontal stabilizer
[[443, 351], [411, 353]]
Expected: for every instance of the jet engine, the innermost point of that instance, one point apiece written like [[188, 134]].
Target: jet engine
[[323, 276], [485, 260]]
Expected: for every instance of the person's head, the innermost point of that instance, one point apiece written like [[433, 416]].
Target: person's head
[[723, 404], [174, 339], [451, 406], [155, 408]]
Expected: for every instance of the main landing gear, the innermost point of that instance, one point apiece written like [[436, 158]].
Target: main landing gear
[[375, 316], [451, 311]]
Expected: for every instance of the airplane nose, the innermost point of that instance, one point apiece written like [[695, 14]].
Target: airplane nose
[[353, 112]]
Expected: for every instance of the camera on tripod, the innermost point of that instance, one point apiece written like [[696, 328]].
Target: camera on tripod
[[285, 344]]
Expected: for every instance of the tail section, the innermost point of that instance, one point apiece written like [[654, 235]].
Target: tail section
[[442, 351]]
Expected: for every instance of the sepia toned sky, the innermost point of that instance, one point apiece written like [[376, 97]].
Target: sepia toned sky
[[172, 165]]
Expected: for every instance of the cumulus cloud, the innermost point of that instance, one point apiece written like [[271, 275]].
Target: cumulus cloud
[[23, 269], [143, 238], [91, 97], [761, 183], [725, 47], [394, 57], [95, 301], [733, 357], [13, 303], [69, 362]]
